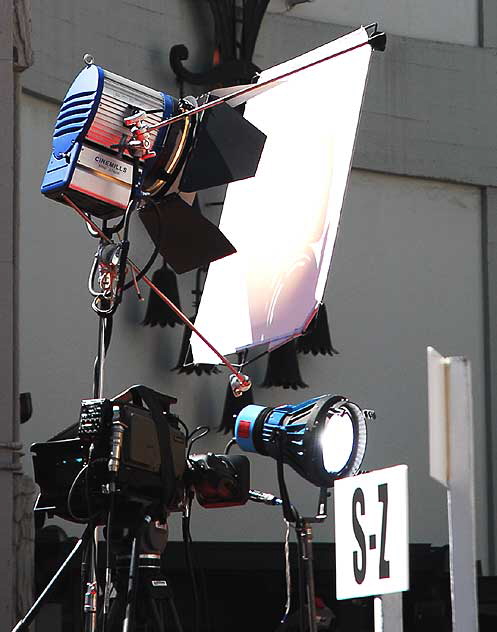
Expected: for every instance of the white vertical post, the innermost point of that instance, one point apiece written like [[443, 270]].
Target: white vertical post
[[388, 615], [451, 463], [461, 497], [378, 615], [392, 612]]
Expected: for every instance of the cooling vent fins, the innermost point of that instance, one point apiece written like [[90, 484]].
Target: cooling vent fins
[[77, 110]]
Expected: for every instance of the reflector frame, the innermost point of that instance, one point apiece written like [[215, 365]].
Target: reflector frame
[[283, 222]]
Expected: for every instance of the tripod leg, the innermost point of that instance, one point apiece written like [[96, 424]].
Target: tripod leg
[[159, 594], [116, 612], [33, 611], [172, 607], [132, 588], [158, 615], [91, 593]]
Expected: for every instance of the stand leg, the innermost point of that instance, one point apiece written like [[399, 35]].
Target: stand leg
[[174, 612], [309, 566], [33, 611], [159, 595], [91, 597], [132, 585], [158, 615], [302, 589], [304, 540], [306, 569], [116, 612]]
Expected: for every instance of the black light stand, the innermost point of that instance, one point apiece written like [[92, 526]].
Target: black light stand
[[105, 304], [303, 530]]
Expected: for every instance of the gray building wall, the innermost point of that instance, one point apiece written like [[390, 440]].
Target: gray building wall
[[408, 265], [453, 21]]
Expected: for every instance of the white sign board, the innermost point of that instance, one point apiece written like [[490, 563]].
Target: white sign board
[[283, 222], [372, 533]]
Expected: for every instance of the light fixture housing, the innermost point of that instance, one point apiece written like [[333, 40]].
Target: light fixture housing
[[322, 439], [94, 164]]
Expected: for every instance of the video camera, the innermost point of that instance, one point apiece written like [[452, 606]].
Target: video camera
[[134, 448]]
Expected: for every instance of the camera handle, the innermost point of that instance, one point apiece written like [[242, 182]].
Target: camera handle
[[33, 611]]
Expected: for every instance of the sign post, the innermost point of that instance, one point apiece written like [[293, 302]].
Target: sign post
[[372, 541], [450, 405]]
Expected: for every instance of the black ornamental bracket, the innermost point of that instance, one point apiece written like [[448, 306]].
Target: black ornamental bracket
[[235, 32]]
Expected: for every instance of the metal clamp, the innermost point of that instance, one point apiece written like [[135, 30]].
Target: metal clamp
[[238, 387], [140, 145]]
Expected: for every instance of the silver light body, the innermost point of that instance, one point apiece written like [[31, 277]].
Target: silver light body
[[99, 172]]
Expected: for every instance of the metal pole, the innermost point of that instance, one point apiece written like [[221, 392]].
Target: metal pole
[[132, 585], [91, 595], [98, 385], [309, 566], [304, 533]]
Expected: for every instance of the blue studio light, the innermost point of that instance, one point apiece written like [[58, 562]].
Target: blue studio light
[[322, 439]]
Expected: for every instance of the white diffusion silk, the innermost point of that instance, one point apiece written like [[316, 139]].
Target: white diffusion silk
[[283, 222]]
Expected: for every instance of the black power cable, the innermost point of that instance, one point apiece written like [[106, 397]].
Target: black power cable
[[154, 254], [195, 435]]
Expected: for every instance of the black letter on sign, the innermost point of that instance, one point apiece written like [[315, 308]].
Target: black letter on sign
[[383, 498], [359, 573]]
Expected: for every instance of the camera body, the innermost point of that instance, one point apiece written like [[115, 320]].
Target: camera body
[[134, 448]]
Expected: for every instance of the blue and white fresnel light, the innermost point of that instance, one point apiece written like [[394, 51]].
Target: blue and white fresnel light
[[322, 439], [107, 148]]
